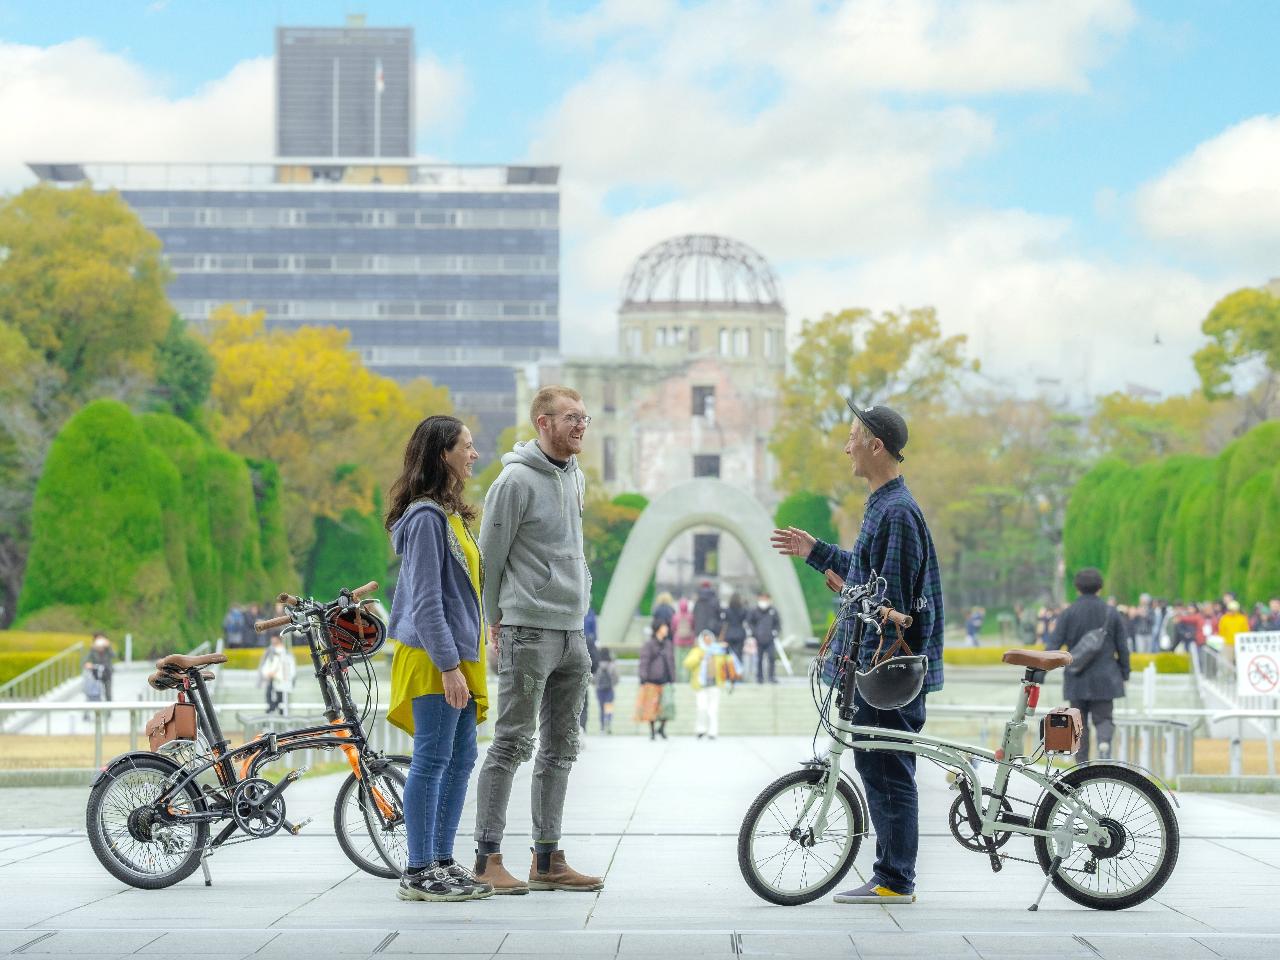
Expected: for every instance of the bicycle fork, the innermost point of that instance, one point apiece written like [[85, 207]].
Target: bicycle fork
[[831, 765]]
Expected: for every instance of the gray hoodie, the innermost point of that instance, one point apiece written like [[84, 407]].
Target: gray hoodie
[[531, 539]]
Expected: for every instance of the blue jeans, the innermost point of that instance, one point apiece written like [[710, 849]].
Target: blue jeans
[[444, 753], [889, 779]]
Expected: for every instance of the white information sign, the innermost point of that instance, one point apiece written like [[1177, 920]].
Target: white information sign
[[1258, 664]]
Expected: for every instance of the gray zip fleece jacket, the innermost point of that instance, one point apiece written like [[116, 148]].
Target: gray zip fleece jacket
[[531, 538]]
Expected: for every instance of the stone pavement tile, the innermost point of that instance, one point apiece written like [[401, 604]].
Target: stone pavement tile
[[328, 943], [202, 942], [576, 942], [1244, 947], [709, 945], [1052, 943], [935, 946], [834, 945], [470, 943], [13, 939], [1146, 946], [94, 943]]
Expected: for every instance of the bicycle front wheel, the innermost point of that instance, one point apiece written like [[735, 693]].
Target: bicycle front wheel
[[1144, 837], [782, 858], [368, 817]]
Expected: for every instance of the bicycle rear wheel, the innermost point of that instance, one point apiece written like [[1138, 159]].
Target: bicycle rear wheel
[[1144, 831], [781, 858], [125, 833], [368, 817]]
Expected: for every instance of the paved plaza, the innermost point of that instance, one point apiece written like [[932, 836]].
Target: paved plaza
[[660, 820]]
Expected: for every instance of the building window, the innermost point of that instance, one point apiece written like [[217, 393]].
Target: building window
[[693, 339], [706, 465], [635, 344], [741, 342], [609, 398], [725, 346], [610, 459], [706, 554], [772, 343], [704, 401]]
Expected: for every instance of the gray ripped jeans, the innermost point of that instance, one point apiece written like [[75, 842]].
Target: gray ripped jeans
[[542, 681]]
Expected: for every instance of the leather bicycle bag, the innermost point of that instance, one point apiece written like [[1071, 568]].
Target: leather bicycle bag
[[1061, 730], [177, 721]]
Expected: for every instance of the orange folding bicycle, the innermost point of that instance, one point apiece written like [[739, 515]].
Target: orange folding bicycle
[[149, 816]]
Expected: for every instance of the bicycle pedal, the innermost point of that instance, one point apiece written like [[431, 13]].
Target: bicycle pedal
[[296, 828]]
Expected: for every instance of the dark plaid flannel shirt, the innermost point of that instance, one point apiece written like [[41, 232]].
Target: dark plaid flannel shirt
[[893, 541]]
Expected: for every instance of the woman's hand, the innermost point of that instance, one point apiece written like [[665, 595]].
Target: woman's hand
[[792, 542], [456, 693]]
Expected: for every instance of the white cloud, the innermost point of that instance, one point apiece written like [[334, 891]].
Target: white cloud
[[76, 101], [776, 134], [1223, 198]]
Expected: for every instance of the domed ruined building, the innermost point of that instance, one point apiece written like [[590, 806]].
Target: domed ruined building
[[691, 393]]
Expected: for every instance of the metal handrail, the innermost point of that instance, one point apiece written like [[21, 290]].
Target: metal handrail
[[36, 682]]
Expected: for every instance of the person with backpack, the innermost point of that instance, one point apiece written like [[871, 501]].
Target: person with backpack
[[711, 665], [1094, 635], [605, 677]]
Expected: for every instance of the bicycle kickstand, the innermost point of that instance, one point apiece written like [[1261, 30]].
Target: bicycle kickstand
[[1054, 864], [204, 866]]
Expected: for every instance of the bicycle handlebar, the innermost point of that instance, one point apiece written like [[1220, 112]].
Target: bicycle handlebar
[[368, 588], [262, 626], [901, 619], [288, 599]]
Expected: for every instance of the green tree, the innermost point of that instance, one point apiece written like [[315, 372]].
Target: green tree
[[812, 512], [896, 358], [1244, 342], [184, 372], [83, 281], [606, 524], [349, 551], [1138, 430]]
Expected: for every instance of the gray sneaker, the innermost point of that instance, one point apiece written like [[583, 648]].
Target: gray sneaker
[[872, 892], [433, 885], [465, 879]]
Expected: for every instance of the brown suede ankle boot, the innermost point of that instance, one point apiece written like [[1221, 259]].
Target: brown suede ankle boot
[[561, 876], [492, 872]]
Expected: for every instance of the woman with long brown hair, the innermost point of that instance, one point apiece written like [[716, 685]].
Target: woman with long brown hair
[[439, 693]]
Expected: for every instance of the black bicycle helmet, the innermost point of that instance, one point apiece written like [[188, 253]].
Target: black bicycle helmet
[[358, 633], [894, 682]]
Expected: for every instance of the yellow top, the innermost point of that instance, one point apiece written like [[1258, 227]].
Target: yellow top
[[1231, 624], [413, 674]]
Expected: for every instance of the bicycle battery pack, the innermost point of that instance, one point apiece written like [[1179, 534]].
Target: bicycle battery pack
[[177, 721], [1061, 729]]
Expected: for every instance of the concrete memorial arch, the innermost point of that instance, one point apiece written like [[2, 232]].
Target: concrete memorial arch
[[701, 502]]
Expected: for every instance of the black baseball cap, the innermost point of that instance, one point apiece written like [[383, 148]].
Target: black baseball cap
[[886, 424]]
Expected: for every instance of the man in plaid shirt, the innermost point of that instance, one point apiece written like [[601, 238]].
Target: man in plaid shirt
[[894, 542]]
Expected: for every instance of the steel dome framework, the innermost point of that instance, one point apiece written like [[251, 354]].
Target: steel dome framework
[[701, 269]]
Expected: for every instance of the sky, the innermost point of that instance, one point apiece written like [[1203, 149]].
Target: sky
[[1071, 183]]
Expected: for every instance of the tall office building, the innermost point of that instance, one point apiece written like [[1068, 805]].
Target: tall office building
[[447, 272], [344, 91]]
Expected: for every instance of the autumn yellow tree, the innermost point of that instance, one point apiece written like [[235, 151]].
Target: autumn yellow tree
[[305, 400]]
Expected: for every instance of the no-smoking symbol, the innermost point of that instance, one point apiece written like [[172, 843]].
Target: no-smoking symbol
[[1264, 674]]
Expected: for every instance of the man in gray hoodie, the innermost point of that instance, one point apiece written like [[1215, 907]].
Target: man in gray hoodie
[[536, 593]]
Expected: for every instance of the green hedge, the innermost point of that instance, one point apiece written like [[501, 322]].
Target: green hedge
[[141, 525], [810, 511], [1185, 527], [13, 663], [1166, 662], [349, 551]]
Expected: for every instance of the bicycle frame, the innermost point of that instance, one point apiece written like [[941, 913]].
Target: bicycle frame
[[957, 755], [343, 731]]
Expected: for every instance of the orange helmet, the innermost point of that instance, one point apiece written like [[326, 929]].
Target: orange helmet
[[358, 633]]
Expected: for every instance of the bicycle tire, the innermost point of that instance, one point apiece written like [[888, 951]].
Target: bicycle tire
[[111, 845], [1158, 811], [362, 840], [847, 800]]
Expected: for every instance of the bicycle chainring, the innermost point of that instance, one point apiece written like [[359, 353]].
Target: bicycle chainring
[[252, 813], [964, 833]]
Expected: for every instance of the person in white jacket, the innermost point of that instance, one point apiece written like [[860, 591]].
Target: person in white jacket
[[276, 672], [711, 665]]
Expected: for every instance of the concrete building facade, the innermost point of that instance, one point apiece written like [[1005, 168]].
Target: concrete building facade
[[691, 393]]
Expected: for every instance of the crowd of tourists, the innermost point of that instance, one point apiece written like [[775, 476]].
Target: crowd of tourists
[[1153, 625]]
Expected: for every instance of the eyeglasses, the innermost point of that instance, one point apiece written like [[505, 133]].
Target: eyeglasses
[[575, 420]]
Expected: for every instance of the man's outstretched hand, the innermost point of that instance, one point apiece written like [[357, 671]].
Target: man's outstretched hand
[[792, 542]]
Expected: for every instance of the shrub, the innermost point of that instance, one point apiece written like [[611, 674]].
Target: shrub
[[13, 663], [812, 512]]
